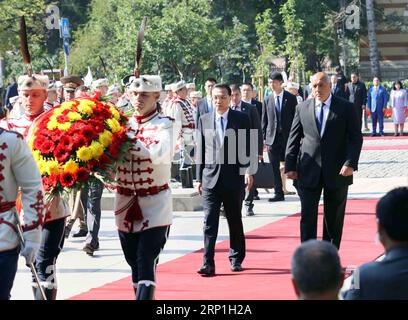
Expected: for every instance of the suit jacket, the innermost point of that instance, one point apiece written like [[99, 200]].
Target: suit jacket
[[202, 108], [220, 161], [341, 90], [324, 156], [258, 106], [386, 279], [359, 96], [380, 97], [269, 120], [254, 123]]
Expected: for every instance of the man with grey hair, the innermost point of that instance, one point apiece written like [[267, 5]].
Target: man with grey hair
[[316, 271], [322, 153]]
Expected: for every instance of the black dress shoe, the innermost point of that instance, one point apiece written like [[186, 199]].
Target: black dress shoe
[[277, 198], [80, 233], [250, 212], [236, 267], [206, 271], [90, 249], [257, 198]]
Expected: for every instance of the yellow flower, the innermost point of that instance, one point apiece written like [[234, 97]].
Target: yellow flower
[[53, 123], [65, 106], [42, 166], [36, 155], [114, 125], [71, 166], [88, 103], [84, 154], [105, 138], [74, 116], [64, 126], [84, 108], [115, 113], [96, 149], [52, 167]]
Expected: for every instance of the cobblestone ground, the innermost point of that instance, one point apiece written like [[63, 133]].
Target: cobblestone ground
[[383, 163]]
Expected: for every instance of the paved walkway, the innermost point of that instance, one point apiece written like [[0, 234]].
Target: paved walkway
[[379, 172]]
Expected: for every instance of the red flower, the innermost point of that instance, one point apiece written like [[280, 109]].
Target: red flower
[[82, 175], [47, 147], [67, 179], [88, 133], [67, 143], [53, 179], [62, 118], [114, 151], [56, 135], [79, 141], [61, 154], [97, 125]]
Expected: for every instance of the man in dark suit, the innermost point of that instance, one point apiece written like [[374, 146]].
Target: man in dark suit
[[358, 95], [277, 116], [255, 123], [247, 91], [223, 169], [339, 88], [388, 278], [205, 104], [325, 159]]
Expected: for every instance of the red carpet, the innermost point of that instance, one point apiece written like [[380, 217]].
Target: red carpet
[[401, 147], [267, 264], [386, 138]]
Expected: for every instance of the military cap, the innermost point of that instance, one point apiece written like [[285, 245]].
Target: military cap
[[146, 83], [36, 81], [100, 82], [178, 86], [196, 94], [70, 83], [292, 85], [190, 86]]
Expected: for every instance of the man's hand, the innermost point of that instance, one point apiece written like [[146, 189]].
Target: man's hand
[[346, 171], [292, 175], [260, 158], [249, 181], [200, 188]]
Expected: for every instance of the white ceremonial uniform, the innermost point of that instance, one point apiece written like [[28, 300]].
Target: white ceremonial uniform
[[55, 209], [181, 111], [143, 198], [18, 169]]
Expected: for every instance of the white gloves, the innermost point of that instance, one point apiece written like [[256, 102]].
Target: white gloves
[[29, 251]]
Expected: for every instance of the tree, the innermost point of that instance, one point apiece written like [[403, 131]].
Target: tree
[[372, 39], [293, 26], [266, 29]]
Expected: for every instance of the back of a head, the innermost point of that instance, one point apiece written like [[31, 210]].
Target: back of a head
[[392, 214], [316, 268]]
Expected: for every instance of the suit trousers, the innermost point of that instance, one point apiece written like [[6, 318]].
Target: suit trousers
[[334, 208], [142, 251], [91, 202], [52, 242], [8, 269], [232, 199], [276, 155], [378, 115]]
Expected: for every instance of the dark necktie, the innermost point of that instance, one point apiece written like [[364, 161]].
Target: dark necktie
[[320, 120]]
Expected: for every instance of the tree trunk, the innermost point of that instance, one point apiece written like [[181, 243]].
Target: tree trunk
[[372, 40]]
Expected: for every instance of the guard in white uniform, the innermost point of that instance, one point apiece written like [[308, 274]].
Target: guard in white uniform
[[18, 170], [33, 93], [180, 110], [143, 201]]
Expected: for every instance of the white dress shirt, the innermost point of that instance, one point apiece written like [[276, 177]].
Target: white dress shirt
[[220, 131], [318, 106]]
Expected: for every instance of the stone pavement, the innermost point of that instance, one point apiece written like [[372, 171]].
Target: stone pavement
[[379, 172]]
